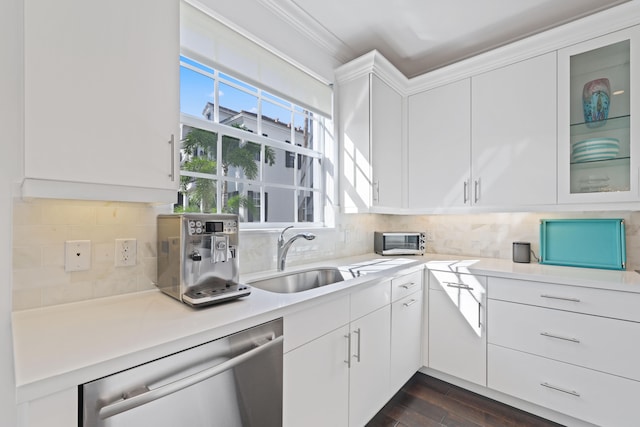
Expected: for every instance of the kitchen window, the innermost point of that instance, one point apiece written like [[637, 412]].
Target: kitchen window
[[247, 151]]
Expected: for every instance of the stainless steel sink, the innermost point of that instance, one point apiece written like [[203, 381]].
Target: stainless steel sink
[[300, 281]]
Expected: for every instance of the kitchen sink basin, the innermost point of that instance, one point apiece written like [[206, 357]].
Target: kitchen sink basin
[[300, 281]]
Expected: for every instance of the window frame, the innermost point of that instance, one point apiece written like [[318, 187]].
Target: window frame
[[319, 190]]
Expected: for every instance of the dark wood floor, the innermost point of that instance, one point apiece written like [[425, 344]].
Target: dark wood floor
[[427, 401]]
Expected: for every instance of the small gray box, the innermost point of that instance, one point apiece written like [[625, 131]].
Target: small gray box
[[521, 252]]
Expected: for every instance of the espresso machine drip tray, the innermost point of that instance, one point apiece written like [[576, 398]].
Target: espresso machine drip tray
[[214, 291]]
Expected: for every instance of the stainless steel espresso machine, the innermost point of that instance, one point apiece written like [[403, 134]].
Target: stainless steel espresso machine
[[198, 258]]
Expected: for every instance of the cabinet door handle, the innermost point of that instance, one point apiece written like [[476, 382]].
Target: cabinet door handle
[[560, 298], [564, 390], [357, 356], [465, 191], [547, 334], [409, 285], [376, 190], [172, 144], [476, 193], [458, 285], [348, 361], [410, 303], [479, 315]]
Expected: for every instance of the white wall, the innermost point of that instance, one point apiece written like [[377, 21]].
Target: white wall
[[11, 125]]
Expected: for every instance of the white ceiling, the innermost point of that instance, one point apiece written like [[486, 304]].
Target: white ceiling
[[421, 35]]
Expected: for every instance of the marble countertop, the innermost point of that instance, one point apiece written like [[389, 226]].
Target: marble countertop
[[59, 347]]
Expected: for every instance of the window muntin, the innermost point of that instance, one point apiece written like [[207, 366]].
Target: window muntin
[[245, 162]]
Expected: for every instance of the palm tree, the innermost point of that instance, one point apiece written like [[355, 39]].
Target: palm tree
[[201, 147]]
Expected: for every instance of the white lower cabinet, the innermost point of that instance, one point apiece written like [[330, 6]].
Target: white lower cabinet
[[593, 396], [342, 372], [406, 328], [370, 358], [567, 348], [457, 330], [340, 378], [56, 410], [316, 382], [406, 333]]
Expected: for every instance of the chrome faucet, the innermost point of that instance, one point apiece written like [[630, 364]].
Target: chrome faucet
[[283, 247]]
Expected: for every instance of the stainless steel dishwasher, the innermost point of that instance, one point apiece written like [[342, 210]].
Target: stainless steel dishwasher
[[232, 381]]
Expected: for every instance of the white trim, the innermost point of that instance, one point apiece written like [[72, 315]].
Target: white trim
[[605, 22], [53, 189], [304, 23], [373, 62]]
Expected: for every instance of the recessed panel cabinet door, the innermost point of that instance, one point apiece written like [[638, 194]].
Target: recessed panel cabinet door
[[102, 92], [513, 130]]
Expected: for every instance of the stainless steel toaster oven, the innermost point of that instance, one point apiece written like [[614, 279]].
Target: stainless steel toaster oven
[[399, 243]]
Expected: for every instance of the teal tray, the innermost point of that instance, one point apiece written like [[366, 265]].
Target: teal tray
[[591, 243]]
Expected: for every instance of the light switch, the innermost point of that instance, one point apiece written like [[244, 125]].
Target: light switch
[[77, 255]]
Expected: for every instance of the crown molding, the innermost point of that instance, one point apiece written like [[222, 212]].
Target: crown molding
[[610, 20], [305, 24], [373, 62]]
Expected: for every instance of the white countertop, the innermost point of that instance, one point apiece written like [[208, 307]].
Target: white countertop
[[59, 347]]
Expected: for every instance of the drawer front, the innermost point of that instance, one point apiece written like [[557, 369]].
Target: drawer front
[[615, 304], [370, 299], [608, 345], [452, 283], [303, 326], [406, 285], [593, 396]]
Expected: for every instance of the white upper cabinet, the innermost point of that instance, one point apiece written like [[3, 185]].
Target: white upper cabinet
[[597, 142], [102, 99], [439, 146], [386, 144], [513, 128], [487, 141], [370, 132]]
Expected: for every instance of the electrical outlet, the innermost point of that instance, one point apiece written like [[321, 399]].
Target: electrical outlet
[[126, 250], [77, 255]]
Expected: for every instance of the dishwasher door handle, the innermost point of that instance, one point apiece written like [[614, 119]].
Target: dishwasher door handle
[[151, 395]]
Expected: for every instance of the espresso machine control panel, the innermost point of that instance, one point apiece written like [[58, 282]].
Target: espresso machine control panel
[[198, 258], [198, 226]]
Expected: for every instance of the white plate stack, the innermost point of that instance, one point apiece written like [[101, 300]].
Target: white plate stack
[[593, 149]]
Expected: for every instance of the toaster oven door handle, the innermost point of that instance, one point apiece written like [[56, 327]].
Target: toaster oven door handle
[[147, 396]]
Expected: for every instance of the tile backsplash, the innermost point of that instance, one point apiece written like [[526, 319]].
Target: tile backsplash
[[40, 228]]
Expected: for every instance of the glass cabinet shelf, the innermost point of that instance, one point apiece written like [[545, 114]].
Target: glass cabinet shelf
[[611, 124]]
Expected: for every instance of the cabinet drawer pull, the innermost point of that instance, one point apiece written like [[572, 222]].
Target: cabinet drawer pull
[[410, 303], [563, 390], [560, 298], [348, 361], [357, 356], [409, 285], [458, 285], [547, 334]]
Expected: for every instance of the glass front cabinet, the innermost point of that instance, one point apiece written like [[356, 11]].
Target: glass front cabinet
[[598, 101]]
